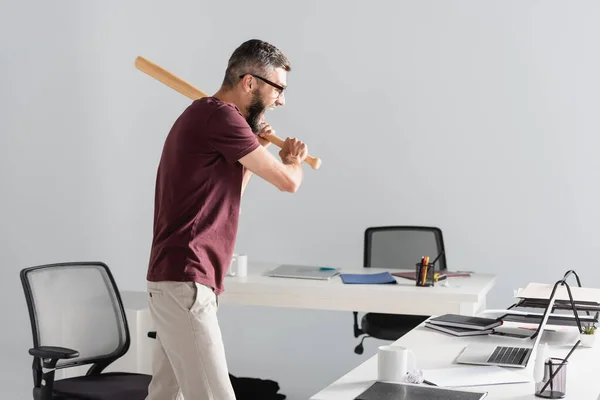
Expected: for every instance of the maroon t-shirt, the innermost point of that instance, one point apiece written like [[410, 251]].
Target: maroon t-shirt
[[198, 192]]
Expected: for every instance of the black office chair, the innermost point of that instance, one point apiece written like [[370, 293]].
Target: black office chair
[[77, 318], [396, 247]]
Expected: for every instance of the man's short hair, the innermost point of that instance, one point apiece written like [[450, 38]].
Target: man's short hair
[[254, 57]]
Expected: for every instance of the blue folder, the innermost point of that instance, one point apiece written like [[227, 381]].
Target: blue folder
[[369, 279]]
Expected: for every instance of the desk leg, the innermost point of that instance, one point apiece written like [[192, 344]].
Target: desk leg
[[472, 309], [145, 347], [138, 358]]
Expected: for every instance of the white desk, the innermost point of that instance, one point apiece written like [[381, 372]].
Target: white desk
[[462, 296], [437, 350]]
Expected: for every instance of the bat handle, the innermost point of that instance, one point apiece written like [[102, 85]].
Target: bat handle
[[315, 163]]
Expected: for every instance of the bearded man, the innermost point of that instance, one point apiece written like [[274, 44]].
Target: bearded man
[[209, 155]]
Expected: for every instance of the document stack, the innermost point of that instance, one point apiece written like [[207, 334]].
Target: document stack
[[581, 304], [463, 325]]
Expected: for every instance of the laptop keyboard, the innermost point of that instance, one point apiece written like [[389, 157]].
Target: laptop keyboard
[[509, 355]]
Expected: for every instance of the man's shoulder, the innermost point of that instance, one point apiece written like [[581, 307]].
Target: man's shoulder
[[213, 107]]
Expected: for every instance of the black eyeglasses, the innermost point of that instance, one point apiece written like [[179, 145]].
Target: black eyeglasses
[[276, 86]]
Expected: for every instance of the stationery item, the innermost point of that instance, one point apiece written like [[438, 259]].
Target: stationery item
[[369, 279], [560, 304], [561, 320], [553, 385], [303, 272], [465, 321], [409, 391], [511, 331], [542, 291], [443, 274], [455, 331], [327, 269], [473, 376], [238, 265], [393, 363], [535, 318], [438, 256], [424, 273]]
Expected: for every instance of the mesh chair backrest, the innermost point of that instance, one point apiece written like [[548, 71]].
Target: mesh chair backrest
[[401, 247], [76, 305]]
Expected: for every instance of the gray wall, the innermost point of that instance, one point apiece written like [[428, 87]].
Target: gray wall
[[478, 117]]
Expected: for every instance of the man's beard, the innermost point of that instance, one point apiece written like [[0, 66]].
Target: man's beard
[[255, 109]]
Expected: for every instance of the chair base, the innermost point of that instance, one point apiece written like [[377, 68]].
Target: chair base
[[385, 327], [389, 326]]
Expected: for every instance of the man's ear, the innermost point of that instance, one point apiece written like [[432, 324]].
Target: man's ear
[[247, 83]]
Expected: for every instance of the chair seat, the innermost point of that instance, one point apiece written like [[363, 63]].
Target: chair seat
[[389, 326], [106, 386]]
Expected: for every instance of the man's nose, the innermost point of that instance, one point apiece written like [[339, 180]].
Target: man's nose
[[280, 100]]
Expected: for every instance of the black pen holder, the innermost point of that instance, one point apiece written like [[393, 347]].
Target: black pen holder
[[424, 275], [554, 383]]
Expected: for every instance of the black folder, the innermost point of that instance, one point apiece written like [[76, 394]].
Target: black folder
[[401, 391]]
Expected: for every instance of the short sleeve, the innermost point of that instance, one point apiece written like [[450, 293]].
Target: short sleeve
[[230, 134]]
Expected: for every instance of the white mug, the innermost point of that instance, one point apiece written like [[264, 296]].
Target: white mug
[[393, 363], [238, 265]]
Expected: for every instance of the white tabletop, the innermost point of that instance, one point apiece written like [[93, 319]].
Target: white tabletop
[[463, 295], [437, 350]]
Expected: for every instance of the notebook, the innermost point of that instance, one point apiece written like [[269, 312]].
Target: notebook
[[380, 278], [407, 391], [465, 321], [455, 331], [303, 272]]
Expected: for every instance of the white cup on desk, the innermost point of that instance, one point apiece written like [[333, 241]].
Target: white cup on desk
[[238, 265], [393, 363]]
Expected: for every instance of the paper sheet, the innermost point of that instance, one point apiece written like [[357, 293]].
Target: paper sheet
[[543, 291], [478, 375]]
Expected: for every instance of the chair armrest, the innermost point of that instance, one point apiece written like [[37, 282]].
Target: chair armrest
[[44, 379], [51, 354]]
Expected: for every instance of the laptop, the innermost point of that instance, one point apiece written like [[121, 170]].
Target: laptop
[[303, 272], [505, 356]]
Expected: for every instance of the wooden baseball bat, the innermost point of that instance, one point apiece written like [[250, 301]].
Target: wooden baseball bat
[[192, 92]]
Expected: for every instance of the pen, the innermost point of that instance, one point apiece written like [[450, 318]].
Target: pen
[[559, 367], [428, 382], [438, 257]]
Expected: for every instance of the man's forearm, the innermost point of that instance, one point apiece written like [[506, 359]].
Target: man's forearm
[[246, 178], [294, 169]]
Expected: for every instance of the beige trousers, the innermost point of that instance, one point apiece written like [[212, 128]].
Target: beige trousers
[[189, 357]]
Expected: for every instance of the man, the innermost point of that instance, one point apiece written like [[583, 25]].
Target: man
[[210, 153]]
